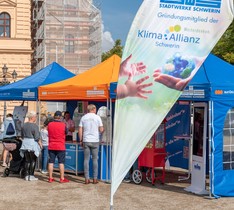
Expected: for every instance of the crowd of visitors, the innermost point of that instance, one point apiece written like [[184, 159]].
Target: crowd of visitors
[[48, 143]]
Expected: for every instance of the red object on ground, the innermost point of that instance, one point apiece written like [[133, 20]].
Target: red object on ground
[[154, 155], [64, 180]]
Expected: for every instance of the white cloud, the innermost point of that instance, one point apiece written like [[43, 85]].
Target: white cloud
[[107, 40]]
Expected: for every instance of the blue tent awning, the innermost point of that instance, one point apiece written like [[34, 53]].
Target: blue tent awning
[[27, 88], [214, 80]]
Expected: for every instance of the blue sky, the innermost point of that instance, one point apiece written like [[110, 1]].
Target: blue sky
[[117, 16]]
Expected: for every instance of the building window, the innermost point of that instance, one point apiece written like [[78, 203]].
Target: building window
[[5, 24], [69, 43], [228, 141]]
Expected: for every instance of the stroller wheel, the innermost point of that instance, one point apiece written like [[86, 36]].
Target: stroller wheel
[[6, 172], [22, 173], [137, 176], [149, 175]]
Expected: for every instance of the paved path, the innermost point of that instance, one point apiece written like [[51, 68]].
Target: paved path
[[18, 194]]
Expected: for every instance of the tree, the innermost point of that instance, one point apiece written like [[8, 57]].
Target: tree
[[117, 49], [225, 47]]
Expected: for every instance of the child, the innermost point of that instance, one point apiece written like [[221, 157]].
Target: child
[[44, 152], [7, 134]]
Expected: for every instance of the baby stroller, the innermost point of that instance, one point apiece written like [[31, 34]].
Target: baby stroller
[[17, 162]]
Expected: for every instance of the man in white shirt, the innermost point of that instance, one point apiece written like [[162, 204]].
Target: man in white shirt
[[90, 128]]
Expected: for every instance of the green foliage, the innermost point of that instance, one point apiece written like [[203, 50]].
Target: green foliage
[[225, 47], [117, 49]]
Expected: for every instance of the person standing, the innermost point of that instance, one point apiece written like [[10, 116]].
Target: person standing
[[56, 133], [31, 145], [18, 127], [44, 152], [90, 128], [7, 134], [70, 125]]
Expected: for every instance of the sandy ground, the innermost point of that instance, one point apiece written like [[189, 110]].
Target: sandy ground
[[17, 194]]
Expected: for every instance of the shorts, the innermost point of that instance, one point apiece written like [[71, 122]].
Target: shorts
[[60, 154]]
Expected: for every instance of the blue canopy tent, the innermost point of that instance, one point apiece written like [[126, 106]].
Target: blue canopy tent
[[214, 83], [27, 88]]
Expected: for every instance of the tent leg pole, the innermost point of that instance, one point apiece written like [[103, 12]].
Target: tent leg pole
[[107, 155], [210, 104], [110, 138]]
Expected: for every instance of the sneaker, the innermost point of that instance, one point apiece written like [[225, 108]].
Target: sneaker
[[44, 172], [4, 165], [127, 180], [95, 181], [26, 178], [64, 180], [32, 178], [50, 180], [87, 181]]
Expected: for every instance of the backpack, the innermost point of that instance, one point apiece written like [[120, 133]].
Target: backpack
[[10, 129]]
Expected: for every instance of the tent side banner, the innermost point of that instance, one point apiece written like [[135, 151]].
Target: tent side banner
[[224, 93], [166, 45], [70, 92]]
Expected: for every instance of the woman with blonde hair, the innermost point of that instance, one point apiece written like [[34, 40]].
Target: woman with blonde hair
[[31, 145]]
